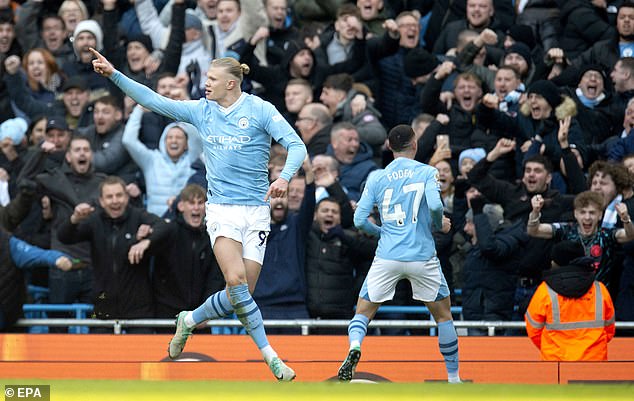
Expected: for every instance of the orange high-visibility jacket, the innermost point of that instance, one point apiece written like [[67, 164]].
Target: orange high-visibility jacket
[[571, 329]]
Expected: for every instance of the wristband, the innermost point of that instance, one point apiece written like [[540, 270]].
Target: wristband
[[535, 221]]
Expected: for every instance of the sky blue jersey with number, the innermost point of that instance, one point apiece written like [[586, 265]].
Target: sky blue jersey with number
[[236, 140], [407, 194]]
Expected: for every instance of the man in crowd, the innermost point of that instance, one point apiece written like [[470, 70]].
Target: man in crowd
[[121, 289]]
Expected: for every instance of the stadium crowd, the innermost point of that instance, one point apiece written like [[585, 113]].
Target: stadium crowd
[[524, 107]]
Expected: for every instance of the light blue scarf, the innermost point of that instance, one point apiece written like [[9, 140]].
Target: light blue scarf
[[589, 103]]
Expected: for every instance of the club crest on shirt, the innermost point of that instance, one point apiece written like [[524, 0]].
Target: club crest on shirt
[[243, 123], [437, 179]]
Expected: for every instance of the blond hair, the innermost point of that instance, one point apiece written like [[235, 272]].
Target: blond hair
[[232, 66], [82, 7]]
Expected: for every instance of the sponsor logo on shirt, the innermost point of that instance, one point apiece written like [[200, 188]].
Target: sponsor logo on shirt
[[220, 142]]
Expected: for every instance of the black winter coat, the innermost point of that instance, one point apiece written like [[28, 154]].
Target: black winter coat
[[596, 123], [515, 199], [604, 53], [121, 290], [330, 272], [445, 11], [274, 78], [461, 127], [185, 269], [582, 26], [12, 214], [448, 38], [12, 289], [66, 190], [490, 271]]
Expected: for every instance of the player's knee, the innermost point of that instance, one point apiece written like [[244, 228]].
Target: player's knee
[[443, 318], [441, 314], [235, 279]]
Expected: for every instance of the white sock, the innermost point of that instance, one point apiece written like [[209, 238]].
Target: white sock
[[355, 344], [268, 353], [189, 320], [453, 377]]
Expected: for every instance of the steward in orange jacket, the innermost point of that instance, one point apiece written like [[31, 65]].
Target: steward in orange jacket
[[571, 316]]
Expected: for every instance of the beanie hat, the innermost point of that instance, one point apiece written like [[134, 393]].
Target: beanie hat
[[565, 252], [419, 62], [192, 21], [143, 40], [93, 27], [593, 67], [523, 50], [475, 154], [548, 91], [522, 33], [292, 49]]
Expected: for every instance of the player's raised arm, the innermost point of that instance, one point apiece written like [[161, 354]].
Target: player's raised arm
[[146, 97]]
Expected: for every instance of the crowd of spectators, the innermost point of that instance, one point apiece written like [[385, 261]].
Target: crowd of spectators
[[525, 108]]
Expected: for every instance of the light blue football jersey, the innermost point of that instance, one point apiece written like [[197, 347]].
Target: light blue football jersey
[[236, 140], [407, 194]]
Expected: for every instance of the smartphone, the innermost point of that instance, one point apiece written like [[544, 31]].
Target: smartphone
[[442, 141]]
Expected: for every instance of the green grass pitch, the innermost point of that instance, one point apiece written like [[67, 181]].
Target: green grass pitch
[[108, 390]]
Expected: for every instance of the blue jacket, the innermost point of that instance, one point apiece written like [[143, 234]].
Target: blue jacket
[[621, 147], [282, 280], [398, 100], [25, 255], [16, 254], [164, 178]]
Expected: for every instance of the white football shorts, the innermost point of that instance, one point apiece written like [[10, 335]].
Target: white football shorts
[[428, 282], [249, 225]]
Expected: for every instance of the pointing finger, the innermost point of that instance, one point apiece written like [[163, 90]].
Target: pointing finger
[[95, 53]]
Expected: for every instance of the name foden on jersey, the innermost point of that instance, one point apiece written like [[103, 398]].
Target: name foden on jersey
[[400, 174]]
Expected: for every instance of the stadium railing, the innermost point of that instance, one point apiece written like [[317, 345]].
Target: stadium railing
[[80, 323], [82, 311], [304, 324], [40, 311]]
